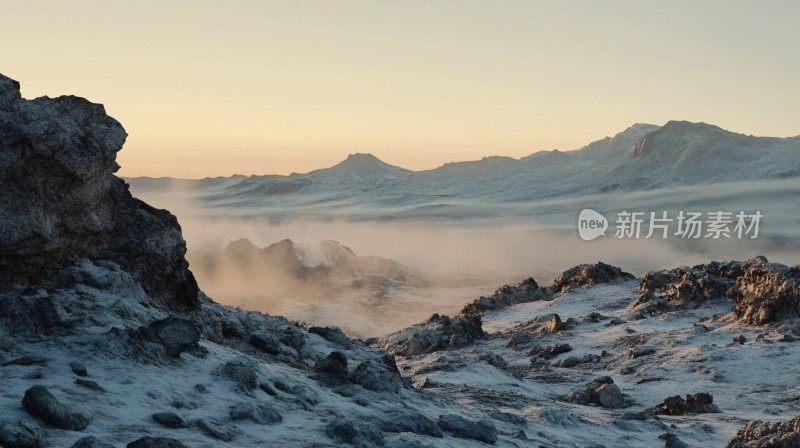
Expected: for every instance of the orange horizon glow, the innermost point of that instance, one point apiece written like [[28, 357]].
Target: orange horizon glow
[[274, 87]]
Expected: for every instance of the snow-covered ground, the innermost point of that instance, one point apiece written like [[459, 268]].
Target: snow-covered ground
[[491, 379]]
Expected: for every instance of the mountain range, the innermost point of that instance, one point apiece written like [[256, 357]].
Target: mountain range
[[642, 157]]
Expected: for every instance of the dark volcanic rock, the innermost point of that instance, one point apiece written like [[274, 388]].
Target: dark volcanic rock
[[767, 292], [91, 442], [600, 392], [176, 335], [169, 420], [701, 403], [361, 434], [26, 361], [378, 375], [259, 413], [78, 368], [758, 434], [463, 428], [156, 442], [436, 334], [505, 296], [672, 441], [242, 371], [589, 274], [409, 420], [332, 369], [60, 201], [332, 334], [21, 434], [39, 402]]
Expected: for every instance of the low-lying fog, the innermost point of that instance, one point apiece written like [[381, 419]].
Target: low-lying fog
[[443, 262]]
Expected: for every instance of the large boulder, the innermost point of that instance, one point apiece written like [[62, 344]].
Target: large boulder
[[21, 434], [39, 402], [60, 201]]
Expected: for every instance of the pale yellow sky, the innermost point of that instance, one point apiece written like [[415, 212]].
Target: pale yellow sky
[[207, 88]]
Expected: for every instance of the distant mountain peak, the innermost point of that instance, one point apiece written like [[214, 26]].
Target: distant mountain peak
[[366, 163]]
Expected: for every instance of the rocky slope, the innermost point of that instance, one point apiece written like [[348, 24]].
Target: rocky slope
[[60, 201], [105, 341]]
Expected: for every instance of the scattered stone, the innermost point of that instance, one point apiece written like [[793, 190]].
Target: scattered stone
[[362, 434], [261, 413], [610, 397], [409, 420], [740, 339], [638, 352], [89, 384], [378, 375], [573, 361], [463, 428], [20, 434], [554, 324], [787, 338], [702, 403], [243, 371], [266, 343], [39, 402], [216, 429], [554, 350], [91, 442], [169, 420], [589, 274], [175, 334], [519, 435], [672, 441], [600, 392], [26, 361], [156, 442], [614, 322], [758, 434], [78, 368]]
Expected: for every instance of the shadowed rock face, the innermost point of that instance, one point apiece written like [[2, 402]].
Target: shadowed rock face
[[61, 202]]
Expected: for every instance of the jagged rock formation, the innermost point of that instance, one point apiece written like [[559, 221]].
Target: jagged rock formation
[[589, 274], [762, 292], [767, 292], [758, 434], [60, 201]]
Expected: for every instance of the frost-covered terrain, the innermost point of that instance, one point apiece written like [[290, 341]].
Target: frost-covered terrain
[[106, 340]]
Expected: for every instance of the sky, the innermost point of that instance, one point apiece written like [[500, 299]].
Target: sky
[[211, 88]]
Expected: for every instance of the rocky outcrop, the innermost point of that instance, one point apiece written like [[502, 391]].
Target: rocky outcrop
[[505, 296], [60, 201], [589, 274], [762, 292], [701, 403], [758, 434], [767, 292], [436, 334]]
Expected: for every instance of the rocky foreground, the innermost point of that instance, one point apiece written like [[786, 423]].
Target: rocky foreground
[[105, 340]]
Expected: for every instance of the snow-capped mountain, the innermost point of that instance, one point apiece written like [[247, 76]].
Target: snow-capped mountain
[[642, 157]]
